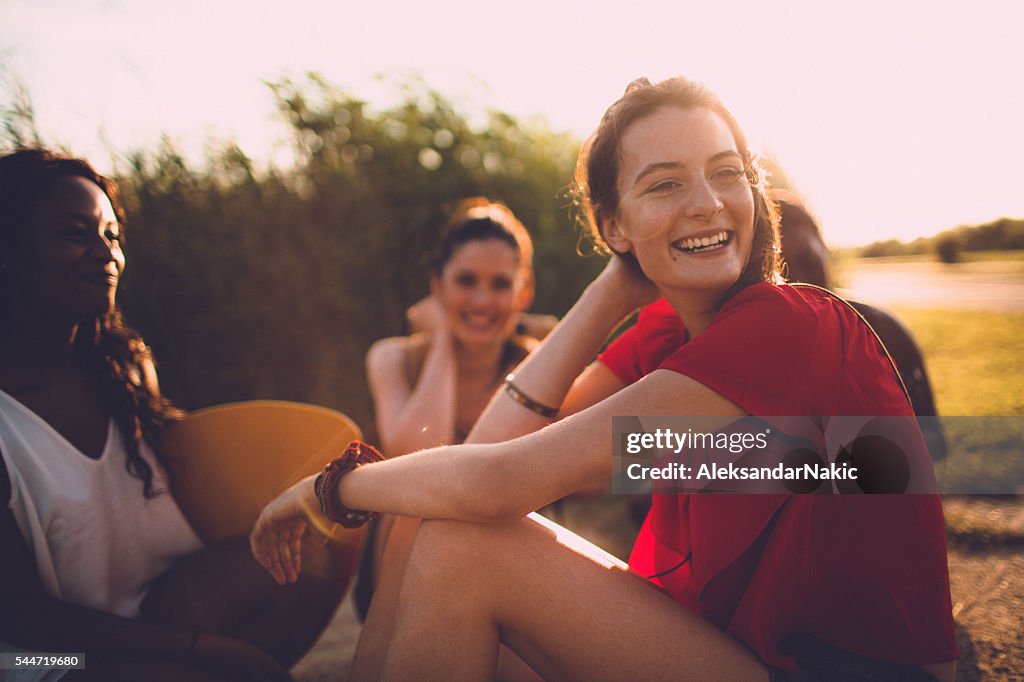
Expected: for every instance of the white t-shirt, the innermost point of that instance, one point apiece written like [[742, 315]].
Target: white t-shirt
[[97, 540]]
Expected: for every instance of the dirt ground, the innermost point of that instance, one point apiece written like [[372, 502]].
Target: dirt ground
[[986, 572], [986, 566], [330, 658]]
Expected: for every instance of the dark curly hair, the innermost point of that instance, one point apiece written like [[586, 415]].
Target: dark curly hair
[[112, 354], [595, 184]]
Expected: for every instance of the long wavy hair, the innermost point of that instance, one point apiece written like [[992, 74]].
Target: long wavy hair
[[595, 184], [112, 354]]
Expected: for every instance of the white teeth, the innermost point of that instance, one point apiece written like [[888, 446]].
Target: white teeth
[[478, 319], [702, 243]]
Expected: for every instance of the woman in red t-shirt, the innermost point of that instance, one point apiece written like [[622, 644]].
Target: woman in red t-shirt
[[718, 586]]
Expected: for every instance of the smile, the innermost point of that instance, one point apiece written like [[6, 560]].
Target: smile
[[719, 240], [479, 320]]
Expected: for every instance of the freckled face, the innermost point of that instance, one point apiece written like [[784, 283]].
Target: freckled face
[[685, 209], [481, 289], [75, 256]]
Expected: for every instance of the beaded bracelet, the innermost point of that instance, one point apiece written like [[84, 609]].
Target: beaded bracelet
[[356, 454], [526, 401]]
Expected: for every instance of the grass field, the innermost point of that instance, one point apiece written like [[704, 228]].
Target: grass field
[[850, 255], [997, 265], [976, 365], [975, 359]]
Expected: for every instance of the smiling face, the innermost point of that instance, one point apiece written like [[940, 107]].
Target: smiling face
[[75, 256], [481, 288], [686, 210]]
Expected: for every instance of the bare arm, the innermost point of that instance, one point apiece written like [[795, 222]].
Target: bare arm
[[508, 480], [537, 325], [490, 482], [414, 418], [411, 418], [487, 483], [554, 373]]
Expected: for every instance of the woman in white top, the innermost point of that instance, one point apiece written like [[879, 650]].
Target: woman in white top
[[95, 555]]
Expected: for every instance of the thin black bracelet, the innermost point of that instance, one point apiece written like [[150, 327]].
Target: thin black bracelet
[[526, 401]]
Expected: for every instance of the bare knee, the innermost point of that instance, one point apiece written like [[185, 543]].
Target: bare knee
[[456, 560], [443, 541]]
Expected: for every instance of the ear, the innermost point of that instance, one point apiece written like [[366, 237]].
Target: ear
[[613, 236], [524, 297]]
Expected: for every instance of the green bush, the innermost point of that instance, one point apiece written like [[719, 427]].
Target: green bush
[[273, 285]]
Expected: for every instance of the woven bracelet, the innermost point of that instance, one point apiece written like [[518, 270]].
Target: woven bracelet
[[356, 454], [526, 401]]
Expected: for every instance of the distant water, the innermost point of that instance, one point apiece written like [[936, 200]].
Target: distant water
[[985, 285]]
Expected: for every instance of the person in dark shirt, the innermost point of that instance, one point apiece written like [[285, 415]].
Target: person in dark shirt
[[808, 261]]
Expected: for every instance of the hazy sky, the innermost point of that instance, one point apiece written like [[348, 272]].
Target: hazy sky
[[893, 118]]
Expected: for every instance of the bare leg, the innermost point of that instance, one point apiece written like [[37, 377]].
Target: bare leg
[[379, 626], [567, 608]]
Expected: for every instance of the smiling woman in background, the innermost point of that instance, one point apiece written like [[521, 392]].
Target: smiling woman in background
[[719, 586], [429, 388]]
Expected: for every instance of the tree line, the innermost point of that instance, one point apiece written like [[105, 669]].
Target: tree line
[[273, 284], [1005, 234]]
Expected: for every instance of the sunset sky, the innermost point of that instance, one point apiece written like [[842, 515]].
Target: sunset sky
[[894, 119]]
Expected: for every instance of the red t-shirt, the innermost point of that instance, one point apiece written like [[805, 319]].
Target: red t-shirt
[[866, 573]]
